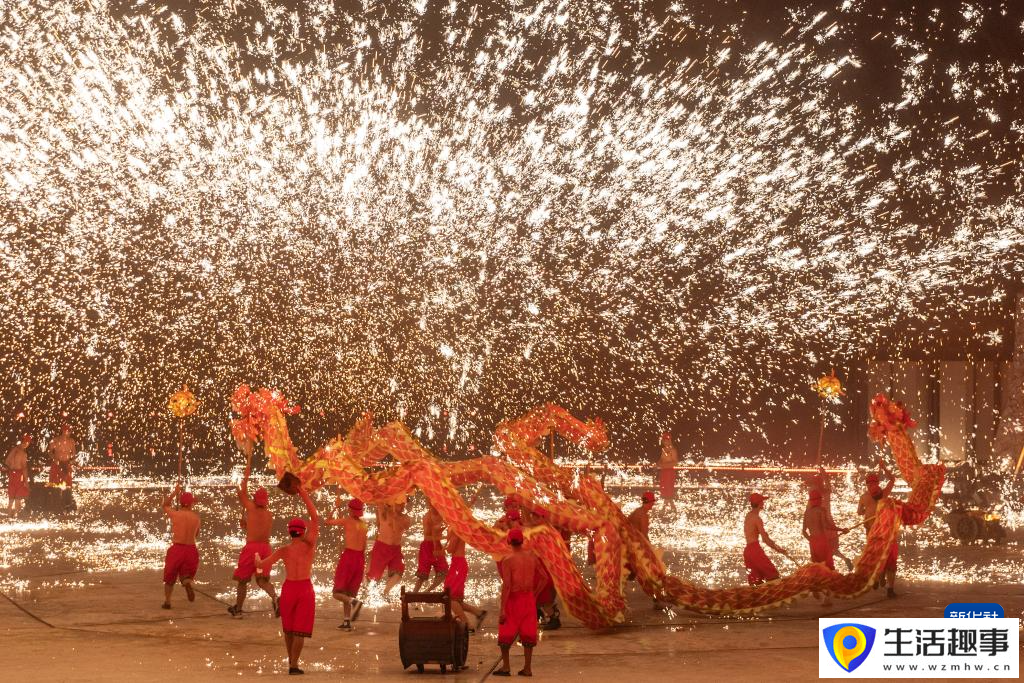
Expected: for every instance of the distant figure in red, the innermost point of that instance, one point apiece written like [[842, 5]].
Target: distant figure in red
[[816, 531], [759, 567], [298, 601], [667, 464], [867, 508], [62, 450], [257, 521], [17, 475], [518, 605], [348, 575], [182, 560], [431, 555]]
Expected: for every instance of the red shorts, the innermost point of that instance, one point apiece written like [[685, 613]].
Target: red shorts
[[667, 483], [298, 608], [17, 487], [247, 559], [348, 575], [520, 619], [545, 587], [455, 582], [760, 567], [891, 557], [60, 473], [385, 556], [181, 562], [821, 550], [428, 561]]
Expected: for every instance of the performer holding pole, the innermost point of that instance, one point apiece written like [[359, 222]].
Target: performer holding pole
[[518, 604], [867, 508], [182, 560], [298, 600], [386, 554], [760, 568], [431, 555], [257, 521], [348, 575]]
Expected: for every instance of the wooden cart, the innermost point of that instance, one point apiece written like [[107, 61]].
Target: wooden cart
[[432, 640]]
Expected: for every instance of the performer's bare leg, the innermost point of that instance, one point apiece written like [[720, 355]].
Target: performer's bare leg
[[890, 582], [294, 650], [438, 580], [240, 592], [268, 588], [505, 666], [393, 580], [168, 589], [528, 655]]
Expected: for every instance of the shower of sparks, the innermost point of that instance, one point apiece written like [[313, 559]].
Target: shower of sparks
[[447, 214]]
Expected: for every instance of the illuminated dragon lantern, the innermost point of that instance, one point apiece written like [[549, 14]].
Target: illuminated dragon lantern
[[566, 499]]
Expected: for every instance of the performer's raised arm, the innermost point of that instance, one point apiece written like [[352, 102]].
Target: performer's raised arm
[[314, 519]]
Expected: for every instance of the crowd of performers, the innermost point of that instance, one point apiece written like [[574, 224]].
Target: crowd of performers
[[528, 599], [61, 451]]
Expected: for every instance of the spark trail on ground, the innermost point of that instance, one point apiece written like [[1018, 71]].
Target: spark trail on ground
[[446, 214]]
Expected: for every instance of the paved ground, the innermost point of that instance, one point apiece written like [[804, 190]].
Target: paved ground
[[108, 626]]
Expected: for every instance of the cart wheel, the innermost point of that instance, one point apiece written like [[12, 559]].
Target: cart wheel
[[419, 668]]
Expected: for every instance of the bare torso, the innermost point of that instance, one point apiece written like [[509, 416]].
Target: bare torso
[[391, 524], [456, 546], [752, 527], [298, 559], [62, 448], [17, 459], [355, 534], [867, 507], [640, 519], [518, 570], [814, 521], [433, 526], [184, 526], [258, 523]]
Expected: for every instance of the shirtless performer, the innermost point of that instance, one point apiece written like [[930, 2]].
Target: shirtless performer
[[667, 471], [182, 560], [518, 606], [386, 553], [62, 450], [257, 521], [816, 530], [640, 519], [431, 551], [17, 475], [298, 601], [455, 582], [760, 567], [822, 483], [867, 509], [348, 575]]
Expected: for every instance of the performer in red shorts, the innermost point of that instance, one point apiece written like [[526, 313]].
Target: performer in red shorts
[[298, 601], [257, 522], [17, 475], [760, 567], [455, 581], [816, 532], [518, 605], [348, 575], [182, 560], [386, 554], [868, 508], [62, 450], [431, 551]]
